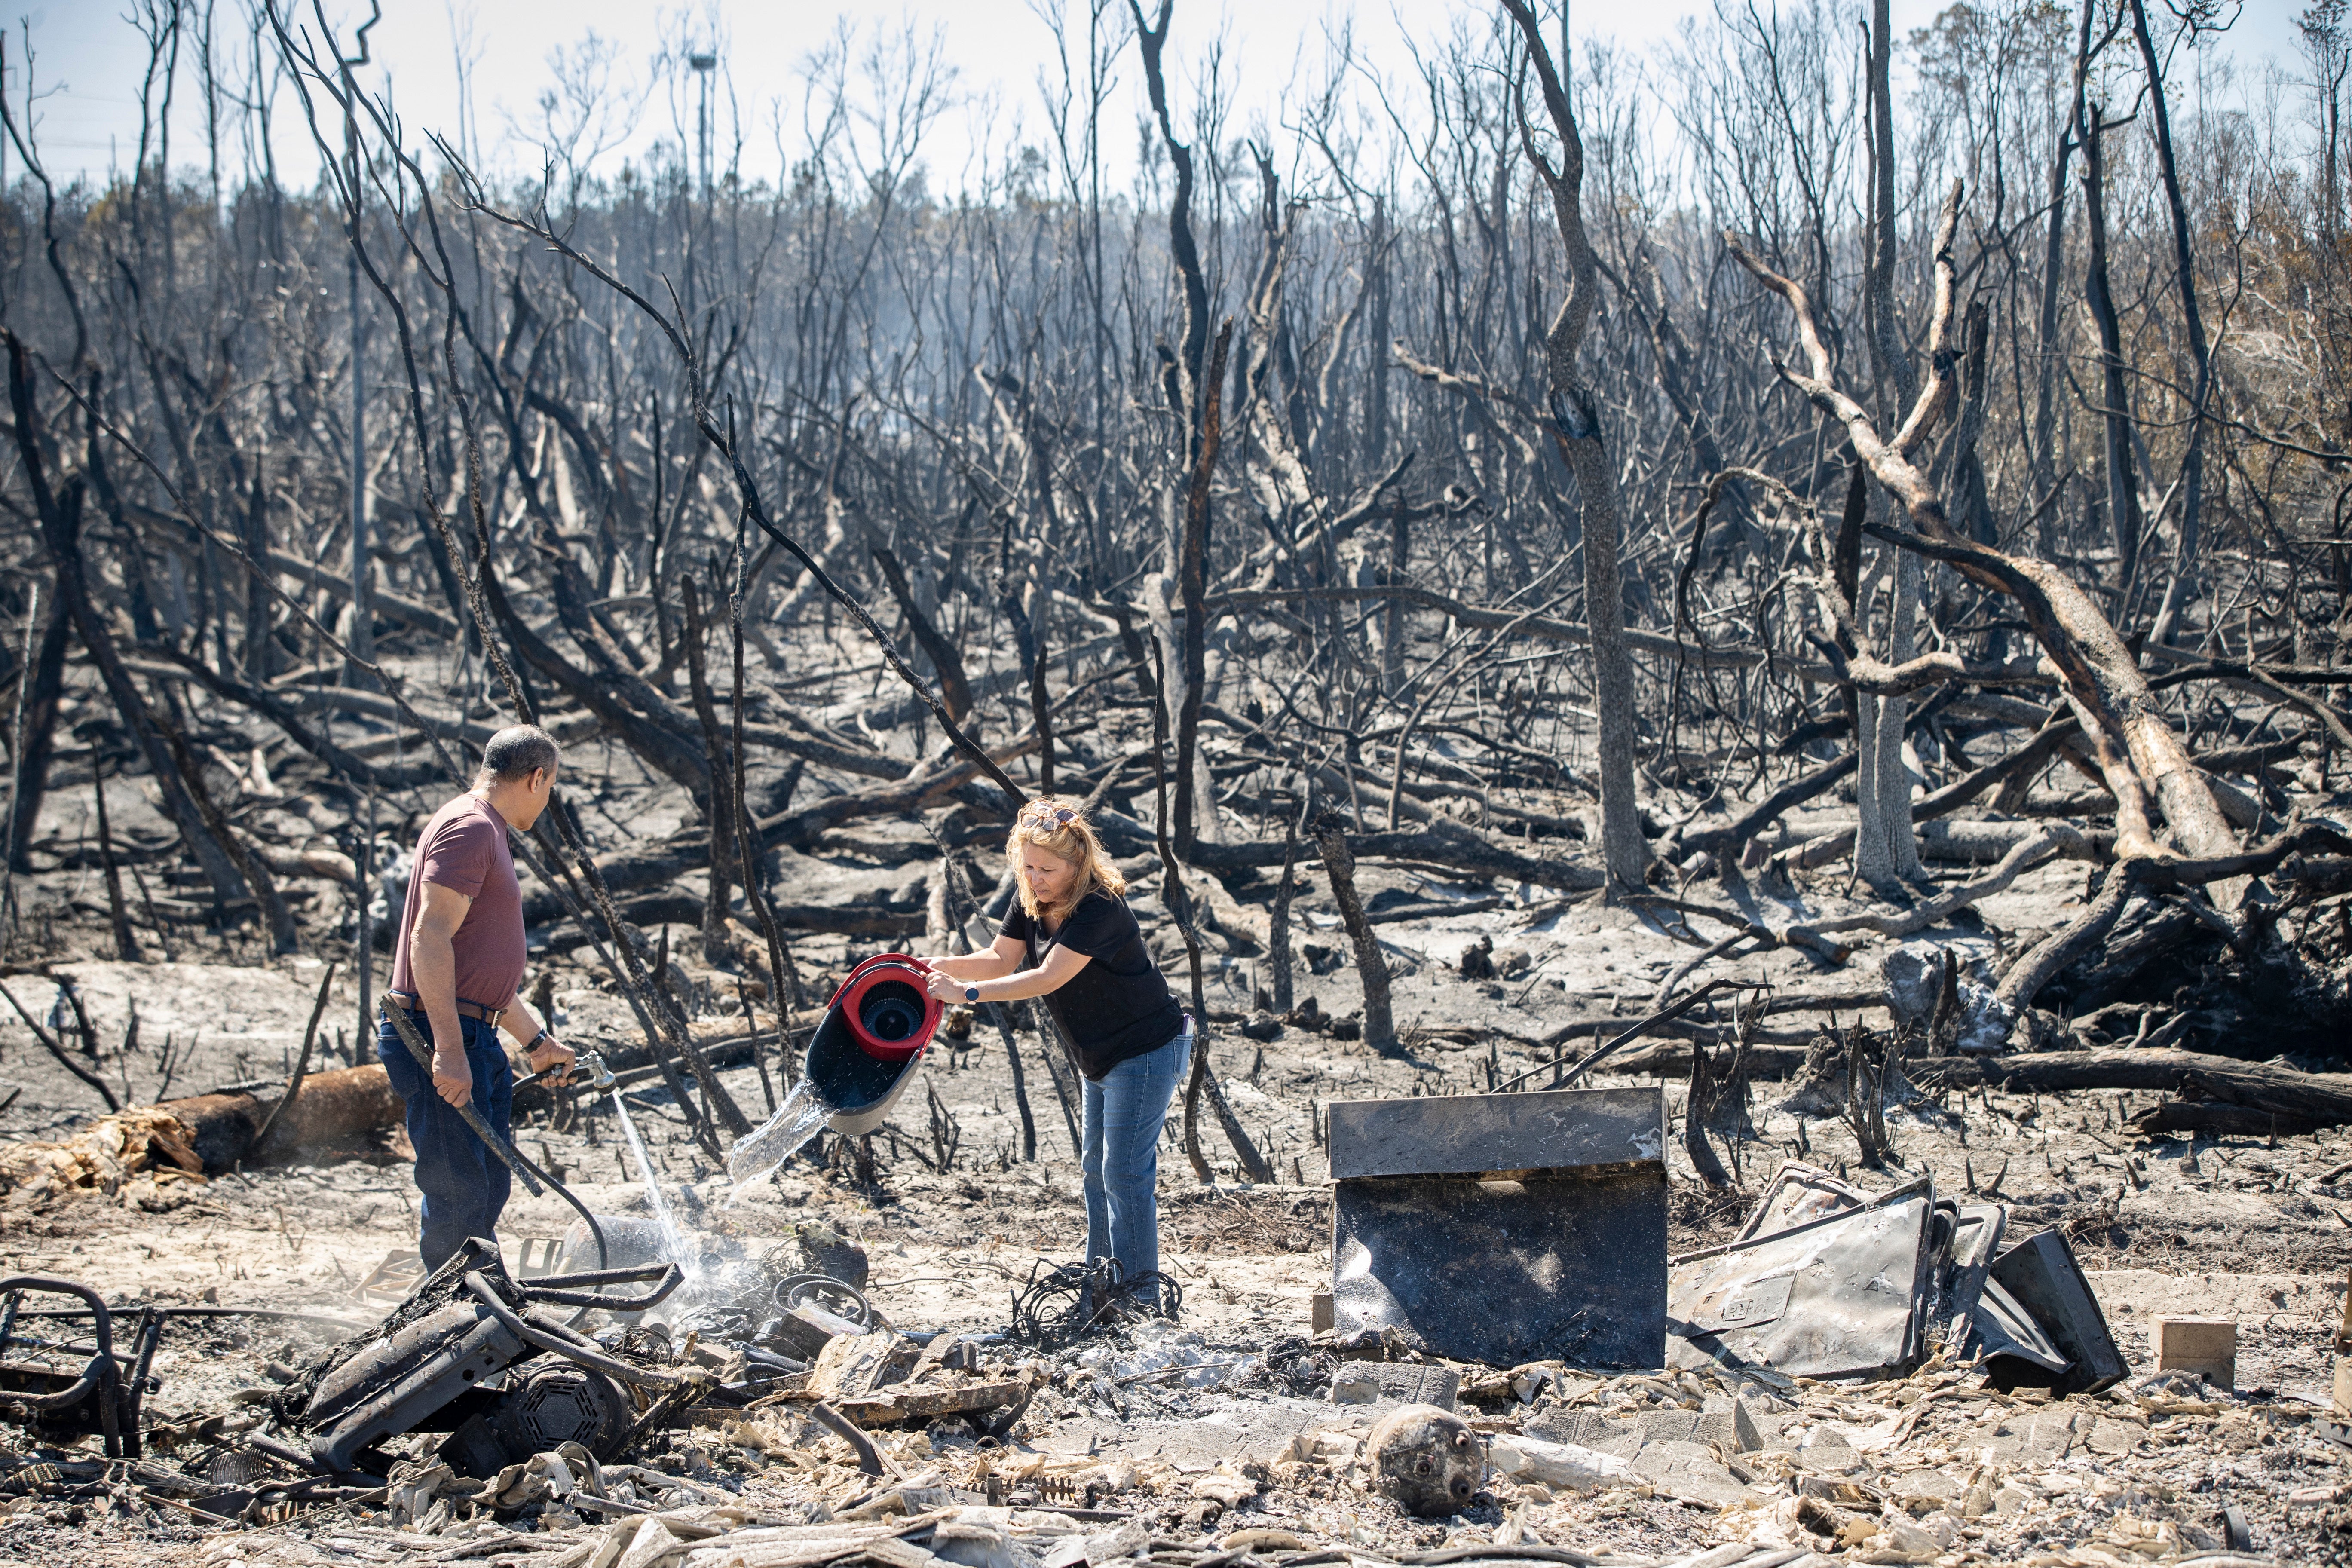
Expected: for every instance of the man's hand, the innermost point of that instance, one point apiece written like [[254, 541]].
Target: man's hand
[[552, 1056], [453, 1076]]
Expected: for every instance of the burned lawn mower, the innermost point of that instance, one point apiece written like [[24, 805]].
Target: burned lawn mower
[[466, 1355]]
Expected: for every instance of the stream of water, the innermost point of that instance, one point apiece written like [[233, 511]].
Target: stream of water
[[674, 1245], [712, 1280], [778, 1139]]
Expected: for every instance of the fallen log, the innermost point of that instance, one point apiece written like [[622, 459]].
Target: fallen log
[[207, 1134], [2323, 1100], [628, 872], [2318, 876], [2099, 978], [333, 1106], [1445, 843], [1969, 840], [1672, 1059]]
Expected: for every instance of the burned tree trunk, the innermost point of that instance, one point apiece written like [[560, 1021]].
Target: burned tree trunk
[[719, 804], [40, 689], [1340, 864], [2114, 418], [2140, 757], [1576, 427], [58, 510]]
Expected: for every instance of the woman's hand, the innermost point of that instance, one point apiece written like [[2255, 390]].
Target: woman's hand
[[943, 988]]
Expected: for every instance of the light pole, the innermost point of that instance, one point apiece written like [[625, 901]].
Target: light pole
[[704, 66]]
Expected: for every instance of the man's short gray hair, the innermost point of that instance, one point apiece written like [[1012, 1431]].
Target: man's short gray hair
[[517, 751]]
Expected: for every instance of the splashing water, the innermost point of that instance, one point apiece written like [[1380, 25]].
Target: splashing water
[[674, 1245], [776, 1139]]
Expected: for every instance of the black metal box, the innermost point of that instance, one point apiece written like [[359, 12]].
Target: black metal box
[[1505, 1228]]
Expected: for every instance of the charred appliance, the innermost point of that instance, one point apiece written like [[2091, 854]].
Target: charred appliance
[[466, 1354]]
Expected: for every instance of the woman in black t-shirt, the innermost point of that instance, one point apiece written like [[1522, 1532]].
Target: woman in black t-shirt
[[1070, 938]]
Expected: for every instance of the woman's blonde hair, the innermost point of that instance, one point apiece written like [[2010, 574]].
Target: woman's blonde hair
[[1056, 824]]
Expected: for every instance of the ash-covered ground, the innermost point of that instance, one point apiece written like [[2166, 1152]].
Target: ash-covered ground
[[1936, 1467]]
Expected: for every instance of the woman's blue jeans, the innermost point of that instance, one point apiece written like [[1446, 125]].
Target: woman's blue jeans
[[1121, 1157]]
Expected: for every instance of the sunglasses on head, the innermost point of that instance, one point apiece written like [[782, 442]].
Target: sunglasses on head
[[1055, 816]]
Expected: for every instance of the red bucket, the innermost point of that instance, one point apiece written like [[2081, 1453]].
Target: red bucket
[[889, 1014]]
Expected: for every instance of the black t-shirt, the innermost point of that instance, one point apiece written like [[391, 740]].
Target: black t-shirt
[[1116, 1006]]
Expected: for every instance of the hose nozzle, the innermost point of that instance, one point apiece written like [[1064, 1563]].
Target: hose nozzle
[[599, 1076]]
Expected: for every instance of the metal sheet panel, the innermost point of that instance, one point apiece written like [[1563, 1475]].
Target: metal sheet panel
[[1508, 1271], [1977, 1234], [2002, 1328], [1797, 1194], [2042, 1274], [1741, 1303], [1858, 1286], [1470, 1134]]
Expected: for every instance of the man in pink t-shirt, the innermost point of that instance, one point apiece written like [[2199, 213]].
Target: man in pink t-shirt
[[458, 967]]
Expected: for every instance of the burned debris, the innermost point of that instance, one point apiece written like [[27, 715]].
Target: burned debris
[[1826, 1281], [1503, 1227], [1866, 1372], [1497, 725]]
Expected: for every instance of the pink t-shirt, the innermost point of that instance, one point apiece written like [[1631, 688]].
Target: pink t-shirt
[[464, 848]]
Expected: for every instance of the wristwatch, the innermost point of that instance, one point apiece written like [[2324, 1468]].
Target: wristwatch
[[972, 992]]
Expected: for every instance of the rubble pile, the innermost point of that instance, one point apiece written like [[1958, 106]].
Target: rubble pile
[[131, 1156]]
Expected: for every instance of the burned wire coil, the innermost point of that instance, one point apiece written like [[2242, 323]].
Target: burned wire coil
[[1062, 1304]]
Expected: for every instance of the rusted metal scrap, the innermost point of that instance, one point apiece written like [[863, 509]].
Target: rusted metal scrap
[[1504, 1228]]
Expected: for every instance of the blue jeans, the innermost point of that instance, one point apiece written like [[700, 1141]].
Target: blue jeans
[[464, 1186], [1122, 1156]]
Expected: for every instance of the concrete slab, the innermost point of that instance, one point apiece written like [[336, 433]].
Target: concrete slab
[[1378, 1385], [2038, 1437], [1584, 1428], [1689, 1472], [1237, 1432]]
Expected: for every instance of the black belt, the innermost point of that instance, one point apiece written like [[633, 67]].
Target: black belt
[[465, 1009]]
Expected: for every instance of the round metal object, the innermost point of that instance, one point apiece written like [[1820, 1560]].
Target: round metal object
[[835, 1296], [552, 1402]]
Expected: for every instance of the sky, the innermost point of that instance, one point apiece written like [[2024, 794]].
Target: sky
[[89, 58]]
